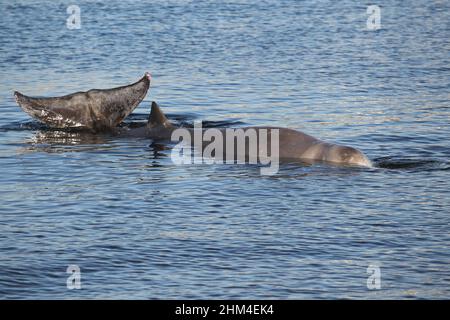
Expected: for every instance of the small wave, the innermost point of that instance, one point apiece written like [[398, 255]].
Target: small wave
[[216, 124], [143, 117]]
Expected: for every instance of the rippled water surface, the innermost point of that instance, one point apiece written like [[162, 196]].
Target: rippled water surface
[[140, 226]]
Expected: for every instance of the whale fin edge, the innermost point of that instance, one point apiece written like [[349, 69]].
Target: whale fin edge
[[157, 117]]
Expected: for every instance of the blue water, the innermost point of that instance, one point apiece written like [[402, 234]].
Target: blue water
[[139, 226]]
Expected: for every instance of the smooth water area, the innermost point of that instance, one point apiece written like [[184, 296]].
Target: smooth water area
[[139, 226]]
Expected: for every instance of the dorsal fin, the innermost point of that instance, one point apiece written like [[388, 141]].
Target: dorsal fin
[[157, 117]]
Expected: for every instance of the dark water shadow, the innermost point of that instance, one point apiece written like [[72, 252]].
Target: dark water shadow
[[23, 126], [414, 164], [182, 120], [136, 120]]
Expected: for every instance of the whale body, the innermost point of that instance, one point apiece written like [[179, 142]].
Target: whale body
[[292, 144]]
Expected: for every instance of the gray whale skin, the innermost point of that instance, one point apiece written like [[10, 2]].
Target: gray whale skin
[[95, 110]]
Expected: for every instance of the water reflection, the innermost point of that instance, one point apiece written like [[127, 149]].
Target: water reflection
[[56, 141]]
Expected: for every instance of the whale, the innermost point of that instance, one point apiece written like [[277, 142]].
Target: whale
[[100, 110], [94, 110], [292, 144]]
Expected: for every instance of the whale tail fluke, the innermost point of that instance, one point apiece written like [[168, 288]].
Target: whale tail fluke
[[96, 109], [44, 110], [28, 104]]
